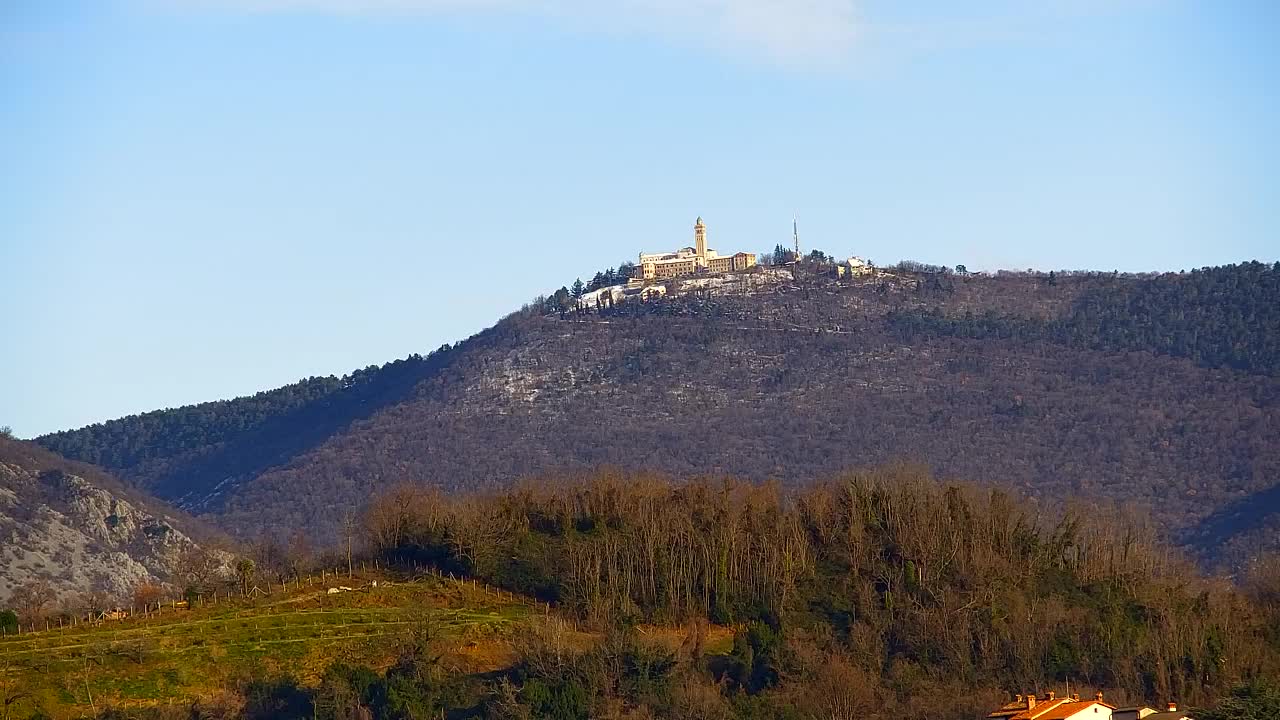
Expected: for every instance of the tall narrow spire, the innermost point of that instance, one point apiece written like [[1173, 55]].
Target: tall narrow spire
[[795, 235]]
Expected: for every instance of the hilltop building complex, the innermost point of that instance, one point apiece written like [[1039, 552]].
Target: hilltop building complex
[[690, 260]]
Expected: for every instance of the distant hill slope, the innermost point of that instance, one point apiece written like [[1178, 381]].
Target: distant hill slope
[[78, 530], [179, 452], [1159, 390]]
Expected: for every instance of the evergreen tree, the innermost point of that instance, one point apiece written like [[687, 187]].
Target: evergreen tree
[[1252, 701]]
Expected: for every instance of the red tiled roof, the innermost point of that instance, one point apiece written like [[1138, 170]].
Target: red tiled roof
[[1045, 709], [1062, 711]]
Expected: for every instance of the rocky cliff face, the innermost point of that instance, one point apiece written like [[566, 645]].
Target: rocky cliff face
[[77, 534]]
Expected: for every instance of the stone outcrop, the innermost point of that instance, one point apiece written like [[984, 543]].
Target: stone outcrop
[[78, 536]]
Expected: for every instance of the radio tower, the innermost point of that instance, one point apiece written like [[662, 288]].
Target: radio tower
[[795, 234]]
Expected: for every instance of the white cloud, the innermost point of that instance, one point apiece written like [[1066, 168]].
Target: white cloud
[[798, 32], [803, 31]]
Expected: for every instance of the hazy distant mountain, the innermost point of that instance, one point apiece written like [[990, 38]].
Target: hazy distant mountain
[[1162, 391], [74, 529]]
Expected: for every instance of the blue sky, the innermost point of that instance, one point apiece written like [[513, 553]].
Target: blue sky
[[205, 198]]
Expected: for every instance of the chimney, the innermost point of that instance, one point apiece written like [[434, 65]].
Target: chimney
[[1173, 707], [1075, 697], [1031, 701], [1098, 696], [1051, 694], [1017, 698]]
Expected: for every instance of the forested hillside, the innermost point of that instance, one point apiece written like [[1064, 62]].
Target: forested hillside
[[181, 451], [1218, 317], [871, 595], [877, 594], [1158, 391]]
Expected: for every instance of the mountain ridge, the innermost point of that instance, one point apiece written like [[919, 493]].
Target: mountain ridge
[[1030, 380]]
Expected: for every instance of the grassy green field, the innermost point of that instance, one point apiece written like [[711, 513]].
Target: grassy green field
[[179, 654]]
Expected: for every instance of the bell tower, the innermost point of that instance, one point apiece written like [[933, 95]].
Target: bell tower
[[700, 239]]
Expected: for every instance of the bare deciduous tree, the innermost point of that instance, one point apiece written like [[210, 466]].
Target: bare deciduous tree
[[148, 593], [199, 568], [31, 600]]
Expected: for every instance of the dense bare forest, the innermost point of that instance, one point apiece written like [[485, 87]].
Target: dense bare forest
[[879, 594], [1157, 391], [884, 568]]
